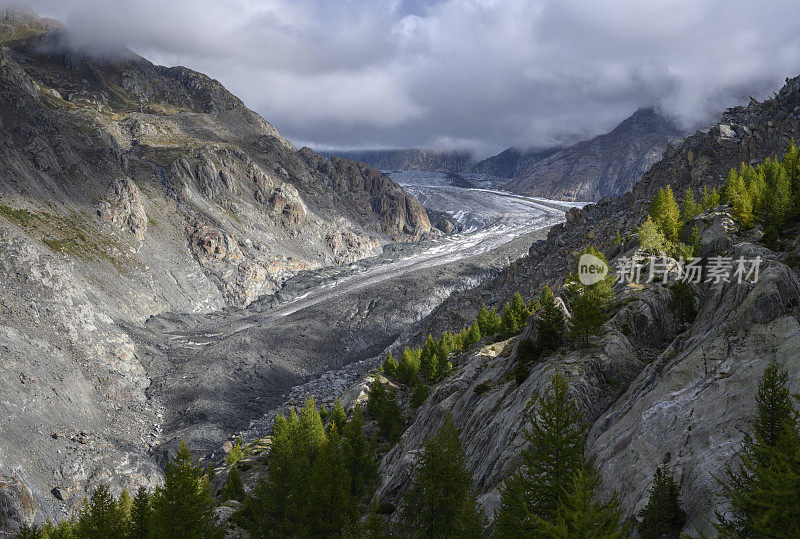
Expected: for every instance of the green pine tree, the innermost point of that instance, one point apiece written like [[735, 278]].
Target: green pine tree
[[581, 515], [390, 365], [473, 336], [101, 517], [183, 507], [681, 302], [689, 209], [429, 359], [140, 524], [338, 416], [550, 323], [651, 239], [663, 517], [233, 489], [488, 321], [329, 507], [441, 501], [762, 489], [359, 455], [665, 213], [409, 366], [778, 197], [554, 455]]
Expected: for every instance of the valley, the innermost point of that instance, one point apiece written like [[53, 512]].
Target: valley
[[215, 373]]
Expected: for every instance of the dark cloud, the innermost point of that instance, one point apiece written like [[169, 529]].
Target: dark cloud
[[477, 74]]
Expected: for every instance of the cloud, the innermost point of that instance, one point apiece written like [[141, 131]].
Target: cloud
[[481, 74]]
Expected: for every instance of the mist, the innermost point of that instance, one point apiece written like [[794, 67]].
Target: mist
[[479, 75]]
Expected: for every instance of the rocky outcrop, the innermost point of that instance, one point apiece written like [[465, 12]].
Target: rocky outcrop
[[17, 506], [124, 208], [491, 411], [606, 165]]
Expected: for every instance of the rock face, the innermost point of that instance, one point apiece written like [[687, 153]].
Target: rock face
[[17, 506], [606, 165], [509, 162], [128, 190]]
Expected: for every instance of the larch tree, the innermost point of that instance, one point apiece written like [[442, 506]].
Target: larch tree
[[442, 501], [556, 439]]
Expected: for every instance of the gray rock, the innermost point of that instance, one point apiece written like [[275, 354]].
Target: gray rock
[[17, 506]]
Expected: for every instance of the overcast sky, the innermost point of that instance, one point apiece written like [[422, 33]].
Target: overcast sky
[[476, 74]]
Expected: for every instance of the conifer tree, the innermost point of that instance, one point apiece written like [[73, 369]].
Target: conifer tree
[[183, 507], [409, 366], [778, 196], [550, 323], [359, 455], [233, 489], [428, 359], [473, 336], [665, 213], [581, 514], [101, 517], [329, 507], [390, 365], [554, 455], [663, 517], [681, 302], [590, 303], [125, 503], [140, 524], [762, 489], [446, 347], [382, 406], [274, 507], [312, 430], [441, 501], [689, 209], [338, 416], [488, 321]]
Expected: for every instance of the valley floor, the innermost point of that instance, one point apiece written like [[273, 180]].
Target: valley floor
[[215, 374]]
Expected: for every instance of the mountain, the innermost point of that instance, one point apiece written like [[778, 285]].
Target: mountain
[[128, 190], [606, 165], [411, 159]]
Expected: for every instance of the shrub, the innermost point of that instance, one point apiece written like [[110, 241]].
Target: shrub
[[238, 451], [651, 239], [483, 388]]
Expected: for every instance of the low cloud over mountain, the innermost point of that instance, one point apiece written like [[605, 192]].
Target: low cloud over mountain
[[482, 75]]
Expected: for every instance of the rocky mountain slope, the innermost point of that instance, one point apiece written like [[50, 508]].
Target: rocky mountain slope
[[412, 159], [653, 392], [127, 190], [510, 161], [606, 165]]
